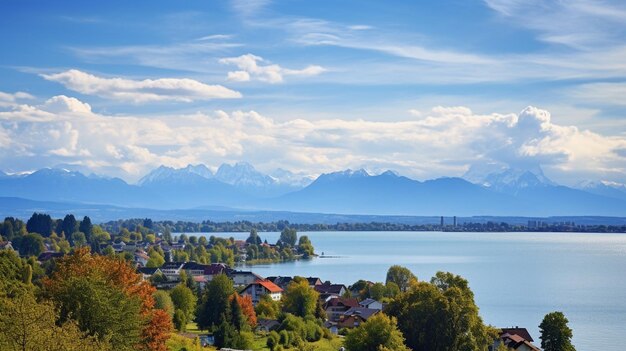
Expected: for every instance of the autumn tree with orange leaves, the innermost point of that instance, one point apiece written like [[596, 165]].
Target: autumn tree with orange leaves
[[247, 308], [108, 299]]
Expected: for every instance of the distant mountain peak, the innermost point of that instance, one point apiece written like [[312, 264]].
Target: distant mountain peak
[[189, 173], [503, 178], [242, 174]]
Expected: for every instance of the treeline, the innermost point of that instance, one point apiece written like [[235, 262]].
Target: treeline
[[277, 226]]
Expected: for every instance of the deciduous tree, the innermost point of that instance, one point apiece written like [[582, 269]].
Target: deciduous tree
[[556, 335], [379, 331]]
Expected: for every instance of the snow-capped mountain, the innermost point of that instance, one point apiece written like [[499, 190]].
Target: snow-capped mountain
[[188, 174], [283, 176], [506, 179], [243, 174], [604, 188]]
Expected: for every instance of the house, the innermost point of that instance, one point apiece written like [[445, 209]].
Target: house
[[172, 270], [314, 281], [328, 290], [194, 268], [280, 281], [118, 247], [147, 273], [355, 316], [212, 270], [201, 280], [260, 288], [335, 307], [243, 278], [6, 245], [515, 339], [266, 325], [371, 304], [141, 258]]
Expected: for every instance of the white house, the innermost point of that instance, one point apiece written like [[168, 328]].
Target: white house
[[371, 304], [243, 278], [260, 288]]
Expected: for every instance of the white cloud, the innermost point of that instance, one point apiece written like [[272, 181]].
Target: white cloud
[[272, 73], [8, 99], [601, 93], [141, 91], [441, 142]]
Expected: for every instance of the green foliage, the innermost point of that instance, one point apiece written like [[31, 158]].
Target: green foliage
[[163, 301], [180, 320], [26, 324], [100, 310], [40, 223], [227, 336], [305, 247], [288, 237], [155, 260], [440, 316], [556, 335], [215, 302], [184, 299], [267, 308], [273, 340], [11, 273], [379, 331], [377, 291], [299, 299], [86, 227], [30, 244], [401, 276]]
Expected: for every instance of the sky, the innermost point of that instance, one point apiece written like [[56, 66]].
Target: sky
[[424, 88]]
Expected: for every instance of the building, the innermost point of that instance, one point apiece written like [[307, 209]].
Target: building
[[141, 258], [262, 287], [371, 304], [172, 270], [283, 282], [515, 339], [328, 290], [355, 316], [335, 307], [243, 278], [147, 273]]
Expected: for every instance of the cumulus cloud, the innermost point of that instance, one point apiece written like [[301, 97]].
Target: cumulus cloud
[[141, 91], [250, 67], [440, 142]]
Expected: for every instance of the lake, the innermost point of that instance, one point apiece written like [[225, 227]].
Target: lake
[[516, 277]]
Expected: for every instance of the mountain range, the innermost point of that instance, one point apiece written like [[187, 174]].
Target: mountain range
[[496, 191]]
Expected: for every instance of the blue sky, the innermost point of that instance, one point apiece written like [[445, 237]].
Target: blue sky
[[427, 88]]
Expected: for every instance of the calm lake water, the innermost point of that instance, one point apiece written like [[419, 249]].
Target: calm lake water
[[516, 277]]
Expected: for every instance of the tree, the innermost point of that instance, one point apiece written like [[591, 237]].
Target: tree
[[26, 324], [108, 299], [377, 291], [379, 331], [30, 244], [440, 316], [267, 308], [299, 298], [556, 335], [273, 340], [254, 238], [86, 227], [184, 300], [214, 302], [247, 309], [401, 276], [155, 260], [40, 223], [163, 301], [305, 247], [288, 237], [69, 226], [180, 320]]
